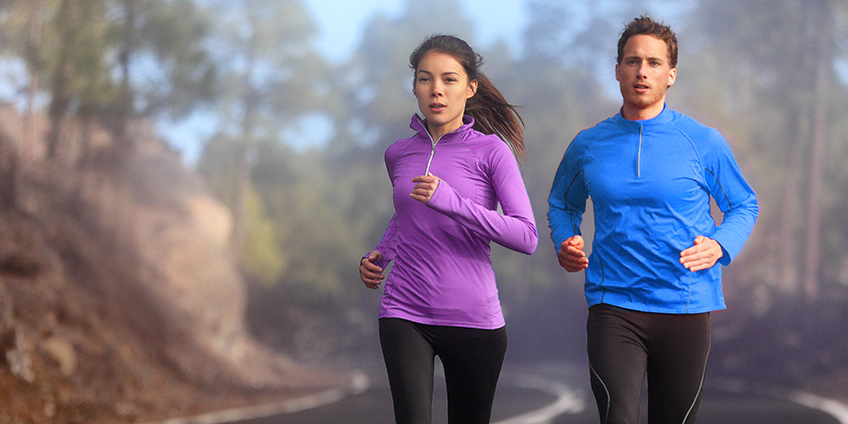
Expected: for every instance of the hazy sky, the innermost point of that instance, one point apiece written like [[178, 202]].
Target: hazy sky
[[340, 21]]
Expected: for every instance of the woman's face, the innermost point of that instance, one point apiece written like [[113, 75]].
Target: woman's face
[[442, 89]]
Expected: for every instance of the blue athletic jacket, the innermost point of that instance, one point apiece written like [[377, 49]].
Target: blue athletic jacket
[[650, 183]]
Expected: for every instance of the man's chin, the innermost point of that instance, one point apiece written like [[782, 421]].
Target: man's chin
[[644, 101]]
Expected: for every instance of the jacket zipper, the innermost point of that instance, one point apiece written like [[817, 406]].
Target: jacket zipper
[[433, 146], [639, 156], [432, 152]]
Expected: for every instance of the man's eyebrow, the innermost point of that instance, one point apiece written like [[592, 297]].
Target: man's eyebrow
[[651, 58]]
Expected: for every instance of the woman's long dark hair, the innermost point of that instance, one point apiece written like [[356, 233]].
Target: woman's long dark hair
[[491, 112]]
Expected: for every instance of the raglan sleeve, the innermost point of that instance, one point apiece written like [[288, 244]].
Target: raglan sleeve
[[515, 228], [388, 243], [733, 195], [567, 200]]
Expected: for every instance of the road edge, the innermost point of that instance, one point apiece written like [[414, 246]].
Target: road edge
[[359, 383]]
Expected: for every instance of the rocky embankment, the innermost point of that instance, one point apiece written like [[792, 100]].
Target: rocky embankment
[[119, 301]]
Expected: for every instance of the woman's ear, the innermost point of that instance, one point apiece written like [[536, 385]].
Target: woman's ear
[[472, 89]]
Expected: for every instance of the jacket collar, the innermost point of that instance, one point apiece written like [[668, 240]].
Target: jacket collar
[[419, 125], [662, 119]]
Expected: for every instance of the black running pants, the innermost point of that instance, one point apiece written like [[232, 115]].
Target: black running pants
[[625, 346], [472, 360]]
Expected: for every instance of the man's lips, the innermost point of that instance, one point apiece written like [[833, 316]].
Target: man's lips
[[641, 88]]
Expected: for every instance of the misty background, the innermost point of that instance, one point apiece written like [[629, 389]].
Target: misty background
[[291, 141]]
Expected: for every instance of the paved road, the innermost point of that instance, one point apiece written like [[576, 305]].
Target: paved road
[[557, 394], [374, 407]]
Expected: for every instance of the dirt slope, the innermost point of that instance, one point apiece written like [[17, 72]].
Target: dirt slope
[[118, 299]]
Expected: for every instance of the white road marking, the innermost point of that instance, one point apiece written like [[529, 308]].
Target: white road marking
[[832, 407], [359, 383], [568, 401]]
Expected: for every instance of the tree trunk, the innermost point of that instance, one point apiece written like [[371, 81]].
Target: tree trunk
[[56, 138], [246, 152], [240, 203], [791, 217], [243, 177], [818, 148], [33, 40], [68, 20]]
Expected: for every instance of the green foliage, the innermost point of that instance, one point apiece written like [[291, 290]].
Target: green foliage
[[108, 62], [262, 259], [171, 33], [267, 73]]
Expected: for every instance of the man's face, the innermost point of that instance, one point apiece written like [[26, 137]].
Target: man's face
[[644, 76]]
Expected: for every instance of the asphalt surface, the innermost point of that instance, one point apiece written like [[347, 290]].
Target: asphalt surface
[[558, 394]]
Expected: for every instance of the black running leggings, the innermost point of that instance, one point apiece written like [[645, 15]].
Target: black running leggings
[[671, 349], [472, 359]]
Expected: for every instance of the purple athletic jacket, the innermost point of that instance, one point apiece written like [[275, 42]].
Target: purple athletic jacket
[[442, 273]]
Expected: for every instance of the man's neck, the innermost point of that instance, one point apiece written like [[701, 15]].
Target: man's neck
[[632, 113]]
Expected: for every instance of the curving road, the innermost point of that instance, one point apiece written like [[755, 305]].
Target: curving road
[[541, 394]]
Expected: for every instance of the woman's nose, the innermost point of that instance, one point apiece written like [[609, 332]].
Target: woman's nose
[[436, 89]]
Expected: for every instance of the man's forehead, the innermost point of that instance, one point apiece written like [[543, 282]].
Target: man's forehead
[[645, 46]]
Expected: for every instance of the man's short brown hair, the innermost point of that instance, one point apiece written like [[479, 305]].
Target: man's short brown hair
[[644, 25]]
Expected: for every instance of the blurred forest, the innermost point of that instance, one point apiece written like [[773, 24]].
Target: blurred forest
[[772, 76]]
